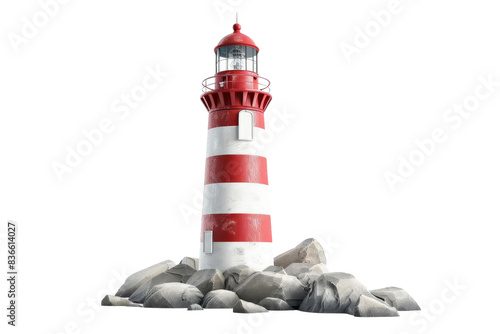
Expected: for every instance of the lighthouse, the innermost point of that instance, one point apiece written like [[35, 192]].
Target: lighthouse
[[236, 220]]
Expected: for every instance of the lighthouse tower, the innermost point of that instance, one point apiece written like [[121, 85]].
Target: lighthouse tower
[[236, 222]]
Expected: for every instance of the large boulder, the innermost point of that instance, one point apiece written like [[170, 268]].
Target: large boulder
[[308, 279], [268, 284], [276, 269], [110, 300], [300, 269], [274, 304], [180, 274], [207, 280], [295, 269], [134, 281], [397, 298], [190, 261], [220, 299], [335, 293], [319, 268], [247, 307], [140, 294], [308, 251], [371, 307], [174, 295], [154, 289], [236, 275]]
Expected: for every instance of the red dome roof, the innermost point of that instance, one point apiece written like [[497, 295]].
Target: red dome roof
[[237, 38]]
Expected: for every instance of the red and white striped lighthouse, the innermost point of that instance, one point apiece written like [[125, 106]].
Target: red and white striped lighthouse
[[236, 223]]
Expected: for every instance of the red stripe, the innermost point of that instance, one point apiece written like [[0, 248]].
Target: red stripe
[[229, 117], [236, 168], [238, 227]]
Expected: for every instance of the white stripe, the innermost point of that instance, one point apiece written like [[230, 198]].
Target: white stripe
[[256, 255], [224, 140], [237, 197]]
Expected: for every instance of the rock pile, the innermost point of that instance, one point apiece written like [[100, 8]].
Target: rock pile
[[299, 279]]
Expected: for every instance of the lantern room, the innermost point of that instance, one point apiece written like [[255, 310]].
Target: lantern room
[[236, 82], [236, 51]]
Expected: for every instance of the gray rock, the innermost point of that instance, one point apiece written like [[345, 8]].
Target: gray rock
[[308, 279], [180, 274], [247, 307], [134, 281], [319, 268], [268, 284], [274, 304], [139, 296], [174, 295], [308, 251], [276, 269], [195, 307], [397, 298], [220, 299], [295, 269], [236, 275], [190, 261], [154, 289], [207, 280], [315, 271], [110, 300], [334, 293], [370, 307], [299, 269]]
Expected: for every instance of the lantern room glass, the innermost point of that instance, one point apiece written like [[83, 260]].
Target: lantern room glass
[[236, 57]]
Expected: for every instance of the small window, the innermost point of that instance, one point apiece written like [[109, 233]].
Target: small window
[[245, 125]]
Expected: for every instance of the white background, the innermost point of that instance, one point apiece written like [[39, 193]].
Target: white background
[[120, 210]]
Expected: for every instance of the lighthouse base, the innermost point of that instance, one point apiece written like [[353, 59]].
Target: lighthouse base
[[256, 255]]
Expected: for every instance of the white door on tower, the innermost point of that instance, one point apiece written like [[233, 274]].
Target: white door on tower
[[245, 125], [208, 242]]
